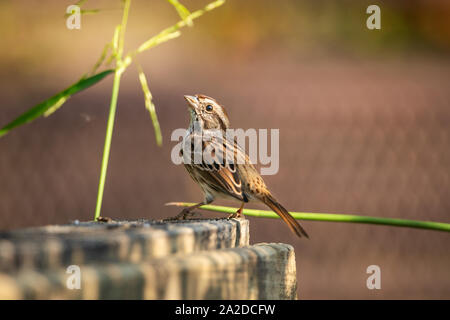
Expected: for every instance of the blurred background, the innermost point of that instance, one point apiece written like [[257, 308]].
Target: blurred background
[[363, 118]]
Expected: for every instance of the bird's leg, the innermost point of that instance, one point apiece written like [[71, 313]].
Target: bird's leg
[[187, 212], [237, 214]]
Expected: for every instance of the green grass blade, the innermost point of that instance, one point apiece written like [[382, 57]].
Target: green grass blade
[[115, 40], [83, 11], [50, 105], [56, 106], [89, 11], [123, 26], [150, 107], [182, 11], [118, 43], [172, 31], [156, 40], [106, 49], [80, 3], [330, 217]]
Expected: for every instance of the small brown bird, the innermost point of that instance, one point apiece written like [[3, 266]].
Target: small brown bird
[[229, 174]]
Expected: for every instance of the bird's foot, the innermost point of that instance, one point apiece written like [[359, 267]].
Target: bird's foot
[[184, 215], [236, 215]]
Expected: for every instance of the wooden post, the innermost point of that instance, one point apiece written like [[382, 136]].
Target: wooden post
[[193, 259]]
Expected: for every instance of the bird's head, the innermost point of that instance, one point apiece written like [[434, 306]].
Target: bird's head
[[208, 112]]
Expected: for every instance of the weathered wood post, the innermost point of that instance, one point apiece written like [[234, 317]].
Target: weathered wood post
[[193, 259]]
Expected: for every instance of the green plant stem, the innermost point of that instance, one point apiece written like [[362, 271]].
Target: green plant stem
[[329, 217], [112, 108], [107, 147]]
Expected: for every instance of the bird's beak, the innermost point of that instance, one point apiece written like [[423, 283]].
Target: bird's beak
[[192, 102]]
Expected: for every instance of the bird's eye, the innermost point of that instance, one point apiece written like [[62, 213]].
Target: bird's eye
[[209, 108]]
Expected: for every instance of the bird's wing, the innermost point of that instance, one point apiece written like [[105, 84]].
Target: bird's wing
[[218, 166]]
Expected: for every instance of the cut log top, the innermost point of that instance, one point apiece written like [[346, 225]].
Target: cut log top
[[133, 241], [142, 259]]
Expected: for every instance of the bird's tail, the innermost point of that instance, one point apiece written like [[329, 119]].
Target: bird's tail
[[285, 215]]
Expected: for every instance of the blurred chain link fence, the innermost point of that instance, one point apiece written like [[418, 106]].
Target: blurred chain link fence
[[354, 138]]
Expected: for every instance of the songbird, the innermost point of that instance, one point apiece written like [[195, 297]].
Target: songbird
[[230, 174]]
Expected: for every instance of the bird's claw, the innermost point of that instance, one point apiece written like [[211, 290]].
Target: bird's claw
[[104, 219], [235, 215], [184, 215]]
